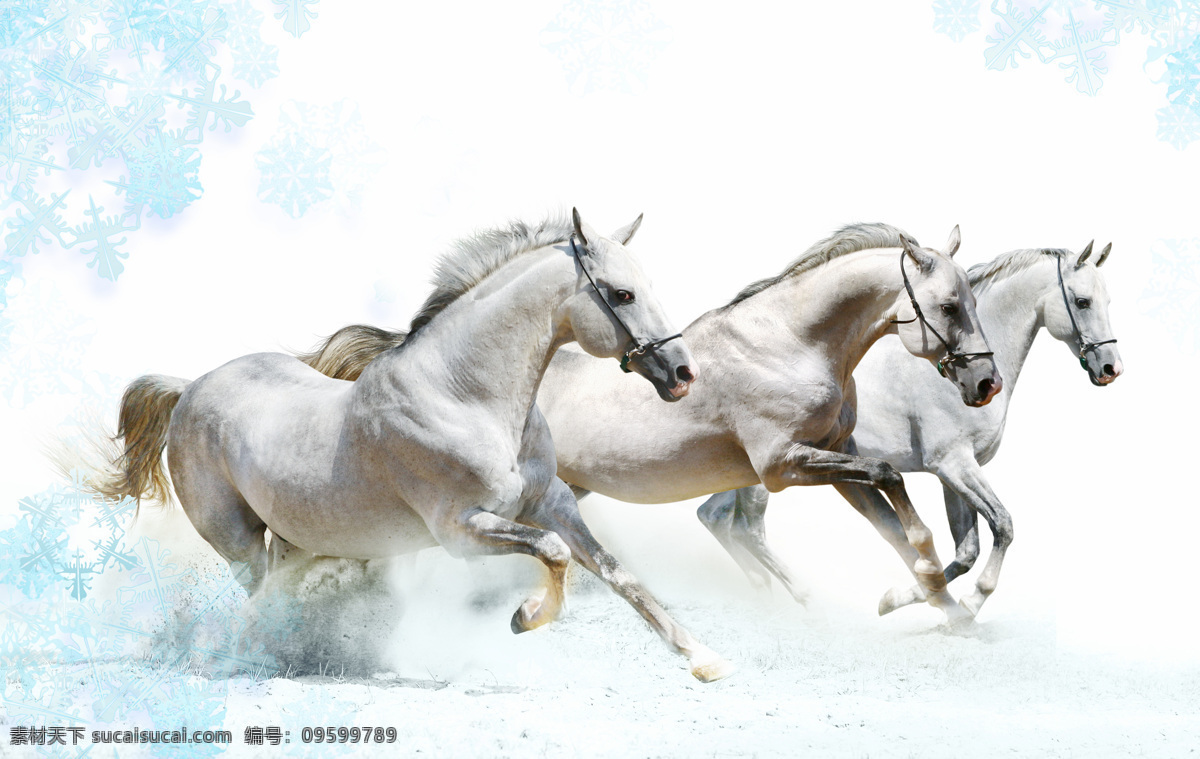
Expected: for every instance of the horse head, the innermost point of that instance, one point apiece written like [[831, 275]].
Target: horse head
[[1076, 313], [937, 320], [614, 313]]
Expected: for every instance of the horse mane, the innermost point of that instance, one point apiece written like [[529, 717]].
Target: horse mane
[[345, 354], [982, 276], [472, 260], [848, 239]]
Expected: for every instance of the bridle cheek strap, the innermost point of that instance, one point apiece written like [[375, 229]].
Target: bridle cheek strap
[[640, 347], [1084, 345], [950, 356]]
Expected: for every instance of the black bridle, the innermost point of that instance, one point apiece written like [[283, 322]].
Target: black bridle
[[639, 348], [1084, 344], [951, 356]]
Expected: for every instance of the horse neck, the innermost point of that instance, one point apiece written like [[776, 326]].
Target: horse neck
[[839, 309], [492, 345], [1010, 318]]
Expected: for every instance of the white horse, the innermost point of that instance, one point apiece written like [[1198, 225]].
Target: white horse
[[437, 443], [776, 404], [916, 424]]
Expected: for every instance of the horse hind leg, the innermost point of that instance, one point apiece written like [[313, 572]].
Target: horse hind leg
[[718, 514], [744, 535], [223, 518]]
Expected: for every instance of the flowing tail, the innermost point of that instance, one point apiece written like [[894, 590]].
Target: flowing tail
[[137, 472], [345, 353]]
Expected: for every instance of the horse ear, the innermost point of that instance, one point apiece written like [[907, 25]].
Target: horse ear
[[584, 232], [953, 243], [625, 233], [1103, 255], [1084, 255], [920, 257]]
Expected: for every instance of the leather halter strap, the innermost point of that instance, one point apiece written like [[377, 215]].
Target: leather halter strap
[[1084, 344], [640, 347], [950, 356]]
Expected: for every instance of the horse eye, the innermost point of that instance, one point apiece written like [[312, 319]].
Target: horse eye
[[949, 309], [623, 296], [1083, 303]]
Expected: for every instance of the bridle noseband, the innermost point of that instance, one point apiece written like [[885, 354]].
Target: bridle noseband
[[639, 348], [1084, 345], [951, 356]]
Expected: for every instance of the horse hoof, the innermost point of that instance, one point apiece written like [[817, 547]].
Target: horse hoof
[[973, 603], [891, 601], [530, 615], [713, 670], [516, 624], [707, 666]]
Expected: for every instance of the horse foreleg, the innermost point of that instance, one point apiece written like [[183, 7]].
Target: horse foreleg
[[482, 532], [875, 509], [964, 526], [807, 465], [559, 512], [718, 514], [967, 482]]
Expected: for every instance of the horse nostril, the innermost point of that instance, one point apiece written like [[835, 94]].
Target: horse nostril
[[685, 374], [1109, 371], [985, 387]]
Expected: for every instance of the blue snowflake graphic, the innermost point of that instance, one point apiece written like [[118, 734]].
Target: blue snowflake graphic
[[256, 62], [165, 176], [319, 153], [294, 174], [45, 340], [1178, 125], [1017, 34], [86, 84], [67, 537], [99, 234], [296, 15], [1183, 77], [1021, 31], [35, 223], [606, 45], [955, 18], [1082, 54], [1172, 295]]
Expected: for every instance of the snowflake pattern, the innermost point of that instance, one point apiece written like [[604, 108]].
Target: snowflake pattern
[[67, 535], [296, 15], [319, 153], [956, 18], [1172, 295], [161, 654], [45, 342], [1077, 34], [85, 84], [606, 45]]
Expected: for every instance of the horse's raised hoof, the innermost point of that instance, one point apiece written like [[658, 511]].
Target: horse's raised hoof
[[891, 601], [707, 666], [530, 615]]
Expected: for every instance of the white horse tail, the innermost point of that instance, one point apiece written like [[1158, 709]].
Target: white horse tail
[[345, 353], [145, 416]]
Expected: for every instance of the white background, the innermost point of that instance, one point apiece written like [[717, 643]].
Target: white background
[[757, 132]]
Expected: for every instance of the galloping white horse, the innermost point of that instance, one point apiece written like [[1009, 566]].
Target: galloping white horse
[[437, 443], [776, 404], [916, 424]]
